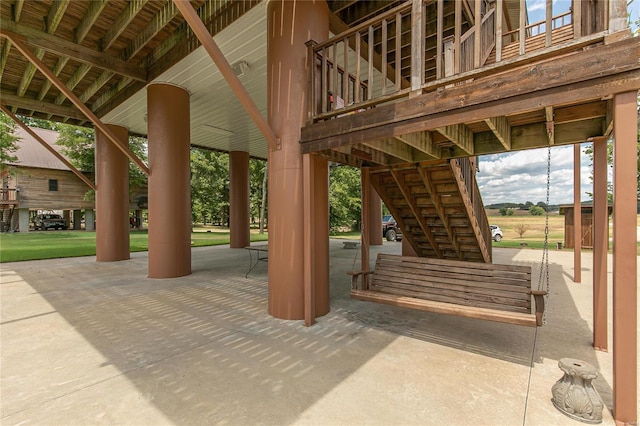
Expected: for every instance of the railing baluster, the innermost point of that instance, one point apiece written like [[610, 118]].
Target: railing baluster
[[439, 39], [370, 40], [548, 25], [478, 31], [345, 71], [324, 89], [457, 36], [356, 85], [523, 24], [334, 82], [398, 50], [311, 57], [384, 56], [576, 6]]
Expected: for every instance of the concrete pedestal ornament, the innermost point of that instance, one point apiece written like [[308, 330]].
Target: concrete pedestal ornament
[[574, 395]]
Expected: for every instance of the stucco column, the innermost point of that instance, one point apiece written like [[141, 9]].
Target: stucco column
[[287, 87], [112, 196], [375, 218], [239, 199], [77, 219], [89, 220], [169, 182], [23, 219], [625, 305]]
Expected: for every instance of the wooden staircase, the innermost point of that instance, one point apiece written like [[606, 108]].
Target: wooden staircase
[[437, 205], [6, 213]]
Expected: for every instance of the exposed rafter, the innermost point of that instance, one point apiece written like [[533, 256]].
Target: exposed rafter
[[460, 135], [160, 20], [125, 18], [502, 129], [16, 10], [89, 18], [16, 101], [80, 53]]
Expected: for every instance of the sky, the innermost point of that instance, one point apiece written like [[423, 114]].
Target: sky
[[518, 177]]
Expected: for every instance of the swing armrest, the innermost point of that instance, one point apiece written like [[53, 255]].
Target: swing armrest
[[354, 279], [538, 298]]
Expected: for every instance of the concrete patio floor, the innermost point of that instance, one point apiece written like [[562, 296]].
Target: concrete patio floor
[[88, 343]]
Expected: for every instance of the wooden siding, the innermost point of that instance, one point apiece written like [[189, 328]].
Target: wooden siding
[[34, 190]]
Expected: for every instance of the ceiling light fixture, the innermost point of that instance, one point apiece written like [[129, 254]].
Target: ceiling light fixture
[[240, 67]]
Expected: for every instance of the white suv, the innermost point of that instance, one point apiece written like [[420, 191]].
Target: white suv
[[496, 233]]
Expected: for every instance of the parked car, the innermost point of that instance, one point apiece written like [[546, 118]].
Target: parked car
[[496, 233], [49, 221], [390, 229]]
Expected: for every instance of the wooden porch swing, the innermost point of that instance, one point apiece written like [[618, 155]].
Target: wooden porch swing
[[487, 291]]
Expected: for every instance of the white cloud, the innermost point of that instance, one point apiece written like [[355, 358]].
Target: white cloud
[[518, 177]]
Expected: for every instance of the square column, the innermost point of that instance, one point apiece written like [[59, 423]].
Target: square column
[[89, 220], [625, 306], [77, 219], [23, 219], [239, 199], [169, 186], [600, 245]]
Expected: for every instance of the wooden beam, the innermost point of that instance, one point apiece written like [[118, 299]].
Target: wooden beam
[[395, 149], [121, 23], [19, 44], [73, 81], [96, 85], [90, 17], [551, 129], [75, 51], [502, 129], [40, 106], [48, 147], [422, 142], [415, 210], [16, 10], [522, 36], [6, 48], [499, 30], [160, 20], [417, 48], [199, 29], [57, 69], [460, 135]]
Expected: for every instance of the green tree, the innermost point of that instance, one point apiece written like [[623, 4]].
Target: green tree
[[536, 211], [510, 212], [257, 181], [8, 141], [209, 186], [344, 197]]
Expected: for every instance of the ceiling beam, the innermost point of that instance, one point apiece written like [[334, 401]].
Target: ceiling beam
[[160, 20], [201, 31], [502, 129], [121, 23], [19, 44], [90, 17], [16, 101], [96, 85], [548, 115], [6, 48], [422, 142], [460, 135], [16, 10], [48, 147], [393, 148], [75, 51], [73, 81]]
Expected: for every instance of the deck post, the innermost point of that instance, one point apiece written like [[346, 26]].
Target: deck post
[[112, 196], [289, 26], [577, 217], [375, 217], [366, 220], [625, 306], [239, 231], [600, 244], [169, 181]]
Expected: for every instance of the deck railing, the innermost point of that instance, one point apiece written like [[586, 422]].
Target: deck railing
[[8, 195], [418, 47]]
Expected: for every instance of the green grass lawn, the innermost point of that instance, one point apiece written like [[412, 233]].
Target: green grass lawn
[[56, 244]]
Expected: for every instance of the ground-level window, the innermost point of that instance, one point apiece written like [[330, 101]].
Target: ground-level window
[[53, 184]]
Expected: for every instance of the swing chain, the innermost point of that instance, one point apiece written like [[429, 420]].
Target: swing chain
[[544, 264]]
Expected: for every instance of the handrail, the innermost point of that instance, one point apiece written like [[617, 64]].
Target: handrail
[[9, 194]]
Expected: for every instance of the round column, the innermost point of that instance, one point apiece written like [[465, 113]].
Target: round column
[[169, 182], [239, 199], [287, 89], [112, 197]]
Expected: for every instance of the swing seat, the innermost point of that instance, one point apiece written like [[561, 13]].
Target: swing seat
[[500, 293]]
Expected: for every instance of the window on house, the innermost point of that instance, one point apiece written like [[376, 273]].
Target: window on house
[[53, 184]]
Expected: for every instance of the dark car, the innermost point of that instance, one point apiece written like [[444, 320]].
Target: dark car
[[390, 229], [49, 221]]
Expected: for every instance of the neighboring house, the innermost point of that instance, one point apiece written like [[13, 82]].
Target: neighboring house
[[38, 181]]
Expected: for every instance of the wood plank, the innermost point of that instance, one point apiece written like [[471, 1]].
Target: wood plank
[[90, 17], [501, 129], [78, 52], [466, 265], [40, 106], [121, 23], [445, 308]]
